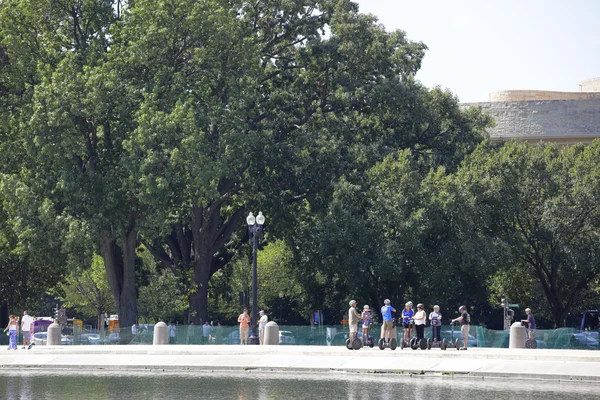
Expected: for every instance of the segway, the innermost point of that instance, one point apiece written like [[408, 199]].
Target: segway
[[453, 342], [355, 344], [529, 343], [434, 342], [369, 340], [392, 344], [412, 342]]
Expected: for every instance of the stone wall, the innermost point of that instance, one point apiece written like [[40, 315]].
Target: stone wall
[[558, 121], [540, 95], [590, 85]]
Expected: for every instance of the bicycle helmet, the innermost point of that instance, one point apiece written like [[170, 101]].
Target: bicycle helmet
[[436, 307], [420, 305], [387, 302], [366, 307], [352, 302], [409, 304]]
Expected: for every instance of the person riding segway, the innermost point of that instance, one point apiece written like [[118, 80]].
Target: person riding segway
[[407, 324], [435, 318], [529, 324], [388, 327], [420, 319], [367, 321], [465, 326]]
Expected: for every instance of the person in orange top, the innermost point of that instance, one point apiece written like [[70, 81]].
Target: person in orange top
[[244, 320]]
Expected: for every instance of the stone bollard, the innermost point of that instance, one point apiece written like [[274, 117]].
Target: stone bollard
[[518, 336], [161, 334], [53, 338], [271, 333]]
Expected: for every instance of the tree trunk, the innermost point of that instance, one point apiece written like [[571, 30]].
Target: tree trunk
[[199, 299], [120, 270]]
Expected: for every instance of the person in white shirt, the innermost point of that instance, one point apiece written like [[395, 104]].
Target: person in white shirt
[[261, 327], [25, 328], [420, 321]]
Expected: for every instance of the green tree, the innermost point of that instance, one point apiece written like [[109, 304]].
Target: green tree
[[87, 290], [544, 204]]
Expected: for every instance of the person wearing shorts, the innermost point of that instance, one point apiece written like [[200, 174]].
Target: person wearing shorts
[[407, 316], [353, 318], [465, 325], [26, 328], [530, 323], [388, 325], [366, 322]]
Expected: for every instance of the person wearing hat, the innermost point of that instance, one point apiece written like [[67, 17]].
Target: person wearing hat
[[388, 325], [465, 325], [530, 323], [353, 318], [436, 321], [366, 322], [420, 321], [407, 315]]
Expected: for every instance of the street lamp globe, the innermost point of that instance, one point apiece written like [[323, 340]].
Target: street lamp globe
[[250, 219], [260, 218]]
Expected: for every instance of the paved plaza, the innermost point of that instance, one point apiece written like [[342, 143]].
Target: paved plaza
[[557, 365]]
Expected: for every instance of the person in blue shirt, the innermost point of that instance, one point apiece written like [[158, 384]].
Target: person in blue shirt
[[407, 315], [388, 326]]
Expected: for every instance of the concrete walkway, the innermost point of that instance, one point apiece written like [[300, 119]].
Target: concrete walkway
[[543, 364]]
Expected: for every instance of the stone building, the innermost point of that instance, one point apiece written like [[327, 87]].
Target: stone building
[[537, 115]]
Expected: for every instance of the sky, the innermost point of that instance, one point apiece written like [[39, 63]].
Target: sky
[[481, 46]]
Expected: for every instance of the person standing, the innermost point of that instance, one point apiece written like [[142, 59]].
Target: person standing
[[465, 325], [435, 318], [388, 324], [244, 320], [206, 331], [172, 333], [367, 320], [530, 323], [26, 328], [353, 318], [190, 333], [12, 329], [261, 327]]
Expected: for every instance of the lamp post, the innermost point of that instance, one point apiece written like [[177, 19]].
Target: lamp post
[[254, 228]]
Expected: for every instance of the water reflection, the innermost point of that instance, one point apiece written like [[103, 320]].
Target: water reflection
[[40, 385]]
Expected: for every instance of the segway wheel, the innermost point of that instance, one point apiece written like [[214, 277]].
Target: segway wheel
[[429, 343], [371, 342], [393, 344], [348, 345], [356, 344], [443, 344], [531, 344], [414, 344], [457, 345], [423, 344], [402, 344], [381, 344]]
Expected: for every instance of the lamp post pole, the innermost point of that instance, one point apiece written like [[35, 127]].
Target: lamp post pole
[[254, 227]]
